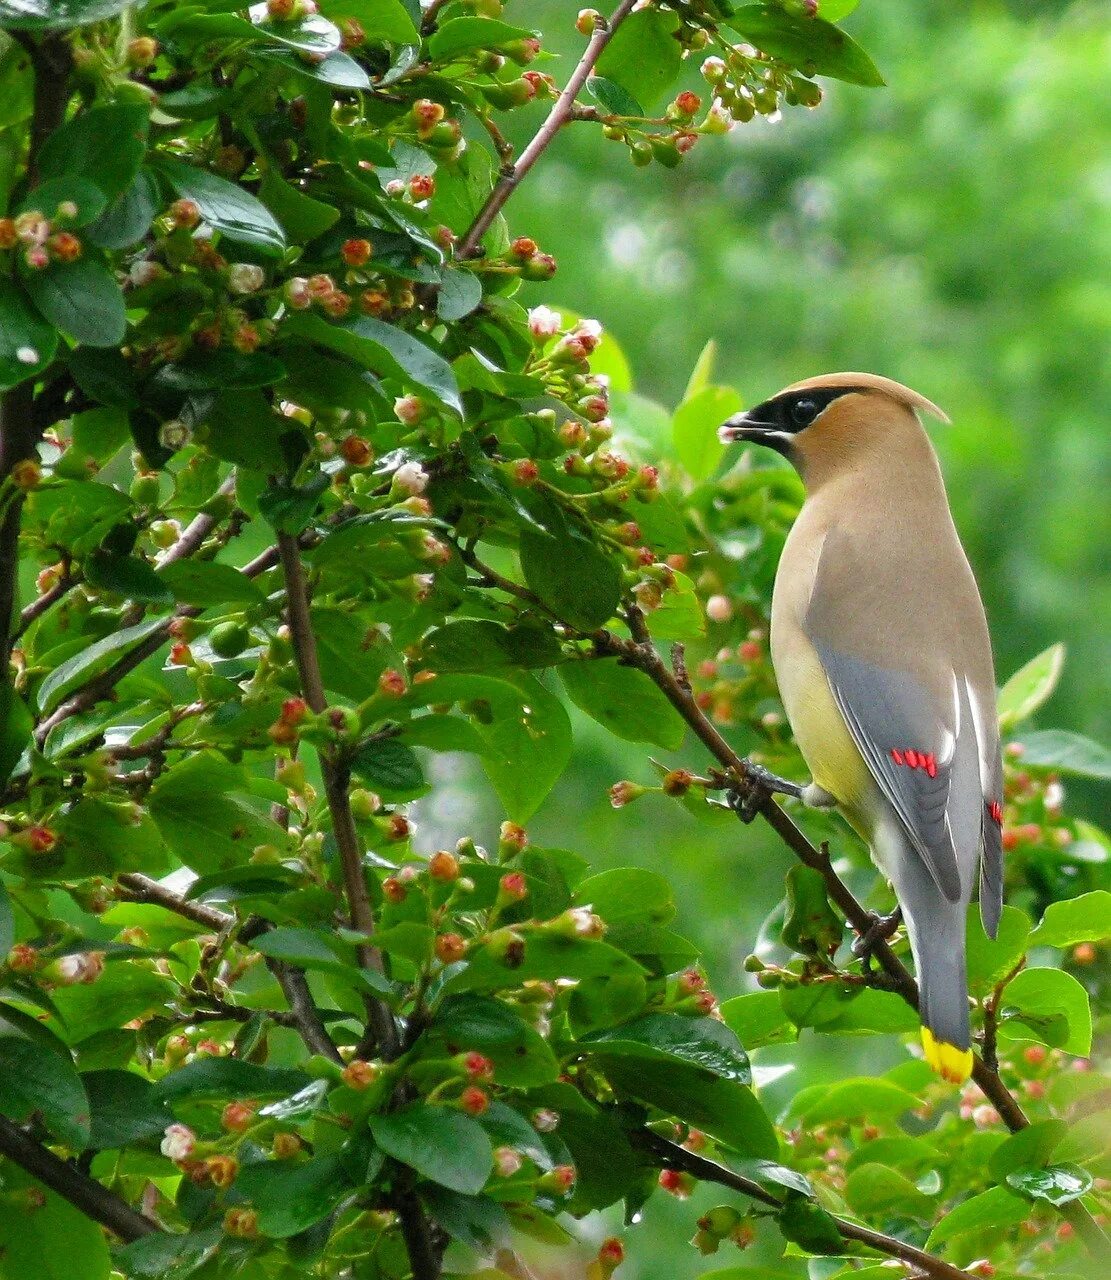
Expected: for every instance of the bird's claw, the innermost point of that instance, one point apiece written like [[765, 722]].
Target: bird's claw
[[760, 783], [881, 929]]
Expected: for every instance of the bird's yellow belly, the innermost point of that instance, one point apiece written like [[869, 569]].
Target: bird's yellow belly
[[835, 763]]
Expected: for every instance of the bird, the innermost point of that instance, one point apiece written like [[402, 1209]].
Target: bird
[[881, 650]]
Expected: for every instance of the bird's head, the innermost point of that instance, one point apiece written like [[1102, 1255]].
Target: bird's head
[[827, 422]]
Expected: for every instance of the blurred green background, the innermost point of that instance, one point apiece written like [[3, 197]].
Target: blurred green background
[[952, 231]]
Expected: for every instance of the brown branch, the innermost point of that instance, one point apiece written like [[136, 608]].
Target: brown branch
[[676, 1157], [83, 1192], [140, 888], [556, 119], [40, 604], [335, 775]]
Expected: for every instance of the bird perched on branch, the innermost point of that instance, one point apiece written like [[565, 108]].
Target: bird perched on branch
[[881, 650]]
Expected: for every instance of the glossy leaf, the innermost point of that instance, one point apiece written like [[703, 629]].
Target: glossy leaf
[[993, 1209], [33, 1082], [123, 1108], [82, 298], [814, 46], [205, 582], [27, 341], [695, 425], [127, 576], [462, 34], [626, 701], [389, 767], [224, 205], [53, 1240], [104, 146], [1030, 686], [520, 1055], [289, 1200], [643, 56], [92, 662], [625, 894], [1068, 753], [990, 960], [669, 1038], [1050, 1006], [758, 1019], [1086, 918], [439, 1143]]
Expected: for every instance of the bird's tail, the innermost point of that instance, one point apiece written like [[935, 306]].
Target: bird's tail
[[936, 928]]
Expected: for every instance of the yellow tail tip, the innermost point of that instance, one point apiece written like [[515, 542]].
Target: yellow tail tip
[[950, 1063]]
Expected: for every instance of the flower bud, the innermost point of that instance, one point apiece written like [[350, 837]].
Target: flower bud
[[478, 1066], [422, 186], [625, 792], [357, 253], [543, 322], [64, 246], [541, 266], [443, 866], [474, 1101], [507, 1162], [450, 947], [221, 1170], [286, 1146], [178, 1142], [359, 1075], [22, 958], [245, 277], [185, 213], [588, 21], [561, 1179], [427, 114], [719, 608], [243, 1223], [236, 1117], [513, 887], [675, 1183]]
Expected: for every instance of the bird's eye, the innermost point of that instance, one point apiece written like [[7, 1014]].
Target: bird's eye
[[804, 411]]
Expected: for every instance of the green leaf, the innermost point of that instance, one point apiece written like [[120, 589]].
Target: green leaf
[[224, 205], [804, 1222], [758, 1019], [547, 958], [121, 993], [205, 582], [812, 45], [92, 662], [27, 341], [204, 817], [33, 1082], [82, 298], [1067, 752], [669, 1038], [1083, 919], [47, 196], [302, 217], [643, 56], [167, 1256], [291, 1199], [16, 726], [1050, 1006], [99, 836], [810, 925], [626, 894], [128, 218], [57, 14], [853, 1099], [572, 576], [680, 617], [219, 1079], [522, 1058], [390, 767], [467, 644], [871, 1011], [123, 1109], [126, 576], [460, 293], [1028, 1148], [623, 700], [694, 429], [105, 146], [874, 1188], [1058, 1184], [347, 667], [462, 34], [445, 733], [380, 19], [1030, 686], [614, 100], [319, 951], [221, 370], [990, 961], [54, 1240], [440, 1143], [385, 350], [702, 372], [993, 1210]]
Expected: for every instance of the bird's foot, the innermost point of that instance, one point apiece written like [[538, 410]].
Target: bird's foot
[[880, 930], [761, 783]]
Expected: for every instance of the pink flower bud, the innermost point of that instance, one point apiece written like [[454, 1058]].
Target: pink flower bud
[[545, 1120], [625, 792], [409, 409], [719, 608], [178, 1142], [507, 1162], [410, 478], [543, 322], [298, 295]]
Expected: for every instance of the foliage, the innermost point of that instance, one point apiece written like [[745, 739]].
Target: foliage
[[310, 503]]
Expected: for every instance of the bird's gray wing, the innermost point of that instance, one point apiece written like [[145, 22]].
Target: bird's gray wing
[[909, 751]]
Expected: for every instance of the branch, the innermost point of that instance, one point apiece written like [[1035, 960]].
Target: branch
[[83, 1192], [556, 119], [335, 775], [676, 1157]]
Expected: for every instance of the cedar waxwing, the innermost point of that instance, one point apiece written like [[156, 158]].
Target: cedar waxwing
[[881, 650]]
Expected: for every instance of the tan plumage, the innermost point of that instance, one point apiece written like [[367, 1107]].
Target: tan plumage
[[881, 649]]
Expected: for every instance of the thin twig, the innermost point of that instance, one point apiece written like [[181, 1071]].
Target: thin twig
[[676, 1157], [556, 118], [83, 1192]]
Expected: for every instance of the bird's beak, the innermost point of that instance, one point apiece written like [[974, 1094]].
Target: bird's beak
[[742, 427]]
